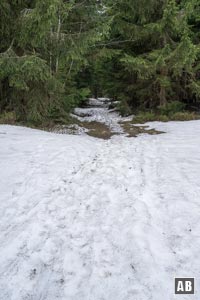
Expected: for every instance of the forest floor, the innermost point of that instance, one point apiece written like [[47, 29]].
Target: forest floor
[[83, 218], [97, 120]]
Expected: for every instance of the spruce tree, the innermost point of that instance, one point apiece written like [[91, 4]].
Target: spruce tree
[[46, 48], [158, 51]]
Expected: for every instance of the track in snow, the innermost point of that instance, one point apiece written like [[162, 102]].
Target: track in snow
[[84, 219]]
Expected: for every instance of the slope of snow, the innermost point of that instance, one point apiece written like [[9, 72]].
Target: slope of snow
[[85, 219]]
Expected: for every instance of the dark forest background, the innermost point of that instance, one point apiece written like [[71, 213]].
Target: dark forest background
[[54, 54]]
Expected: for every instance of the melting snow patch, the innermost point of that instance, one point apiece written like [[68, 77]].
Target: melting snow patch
[[82, 218]]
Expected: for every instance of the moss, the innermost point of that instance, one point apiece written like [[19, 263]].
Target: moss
[[149, 117], [144, 117]]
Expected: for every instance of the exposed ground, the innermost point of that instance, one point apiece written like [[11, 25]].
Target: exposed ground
[[97, 120]]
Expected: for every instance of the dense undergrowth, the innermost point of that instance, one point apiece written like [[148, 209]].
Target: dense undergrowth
[[174, 111], [55, 54]]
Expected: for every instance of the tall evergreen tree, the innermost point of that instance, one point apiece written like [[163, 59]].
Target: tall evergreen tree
[[54, 53], [45, 48], [157, 51]]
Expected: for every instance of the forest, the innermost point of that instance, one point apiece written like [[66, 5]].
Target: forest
[[99, 149], [54, 54]]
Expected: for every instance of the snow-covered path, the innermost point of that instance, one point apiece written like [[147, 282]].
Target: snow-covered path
[[86, 219]]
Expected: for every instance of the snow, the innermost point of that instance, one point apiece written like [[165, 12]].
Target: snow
[[98, 102], [87, 219], [99, 112], [99, 115]]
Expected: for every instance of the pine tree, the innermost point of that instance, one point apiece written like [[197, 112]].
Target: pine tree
[[158, 51], [46, 48], [55, 53]]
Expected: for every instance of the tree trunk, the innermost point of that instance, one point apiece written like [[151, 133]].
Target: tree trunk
[[163, 100], [50, 54], [58, 37], [163, 73]]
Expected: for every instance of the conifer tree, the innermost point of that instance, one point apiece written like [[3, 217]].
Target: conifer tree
[[55, 53], [46, 47], [158, 51]]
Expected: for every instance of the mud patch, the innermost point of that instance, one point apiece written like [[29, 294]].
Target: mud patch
[[133, 131], [97, 129]]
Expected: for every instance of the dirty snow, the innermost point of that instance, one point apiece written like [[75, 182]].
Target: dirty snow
[[99, 111], [86, 219]]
